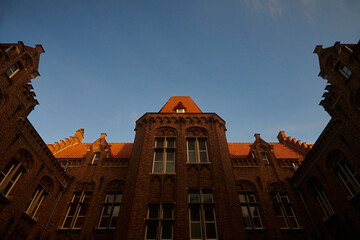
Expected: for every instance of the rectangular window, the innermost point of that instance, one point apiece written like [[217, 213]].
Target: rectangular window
[[265, 158], [250, 210], [159, 221], [96, 158], [110, 210], [284, 210], [9, 176], [12, 70], [36, 201], [348, 176], [202, 214], [197, 150], [164, 155], [78, 206], [324, 201], [345, 71]]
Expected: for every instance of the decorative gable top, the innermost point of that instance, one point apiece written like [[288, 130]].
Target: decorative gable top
[[180, 102]]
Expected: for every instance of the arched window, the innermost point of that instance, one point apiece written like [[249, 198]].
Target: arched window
[[111, 205], [13, 171], [283, 206], [42, 190], [315, 187], [164, 151], [339, 164], [197, 151], [250, 205], [78, 206]]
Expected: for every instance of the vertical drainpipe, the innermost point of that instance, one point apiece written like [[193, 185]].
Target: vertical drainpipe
[[308, 212]]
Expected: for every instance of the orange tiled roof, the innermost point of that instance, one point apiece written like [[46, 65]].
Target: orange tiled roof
[[242, 150], [188, 103], [117, 150]]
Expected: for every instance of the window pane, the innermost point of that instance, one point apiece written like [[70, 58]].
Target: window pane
[[171, 142], [257, 222], [202, 144], [118, 198], [76, 197], [191, 144], [195, 231], [72, 211], [192, 156], [207, 196], [83, 210], [195, 213], [252, 198], [159, 142], [68, 222], [242, 198], [158, 167], [210, 230], [113, 222], [158, 156], [170, 167], [209, 213], [79, 222], [170, 156], [152, 227], [110, 198], [167, 211], [87, 197], [166, 230], [153, 211], [194, 196], [203, 157], [104, 221], [116, 210]]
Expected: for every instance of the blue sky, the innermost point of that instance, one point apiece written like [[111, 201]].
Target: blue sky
[[106, 63]]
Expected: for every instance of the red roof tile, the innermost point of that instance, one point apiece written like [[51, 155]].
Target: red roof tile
[[117, 150], [187, 102], [239, 150]]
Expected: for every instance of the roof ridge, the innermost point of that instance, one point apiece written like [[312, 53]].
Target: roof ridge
[[68, 142], [292, 142]]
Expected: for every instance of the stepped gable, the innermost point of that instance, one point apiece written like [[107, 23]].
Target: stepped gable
[[71, 141], [177, 102], [292, 142]]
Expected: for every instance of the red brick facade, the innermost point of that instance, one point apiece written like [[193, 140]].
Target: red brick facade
[[179, 179]]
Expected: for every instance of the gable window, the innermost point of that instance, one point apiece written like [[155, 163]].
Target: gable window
[[265, 158], [159, 221], [250, 210], [284, 210], [95, 158], [110, 210], [180, 110], [77, 209], [202, 214], [346, 72], [164, 155], [12, 70], [197, 150]]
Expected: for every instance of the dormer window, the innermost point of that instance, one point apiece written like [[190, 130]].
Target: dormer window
[[265, 158], [180, 108]]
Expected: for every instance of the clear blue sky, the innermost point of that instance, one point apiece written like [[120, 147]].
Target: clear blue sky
[[108, 62]]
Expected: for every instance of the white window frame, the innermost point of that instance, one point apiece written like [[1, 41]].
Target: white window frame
[[281, 200], [345, 71], [13, 170], [79, 205], [164, 150], [160, 219], [265, 158], [197, 150], [202, 203], [248, 204], [347, 176]]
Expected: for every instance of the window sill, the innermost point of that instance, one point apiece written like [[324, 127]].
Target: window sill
[[104, 229], [288, 230], [5, 200], [29, 219]]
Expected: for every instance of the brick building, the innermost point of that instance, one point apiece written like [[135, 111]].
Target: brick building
[[180, 178]]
